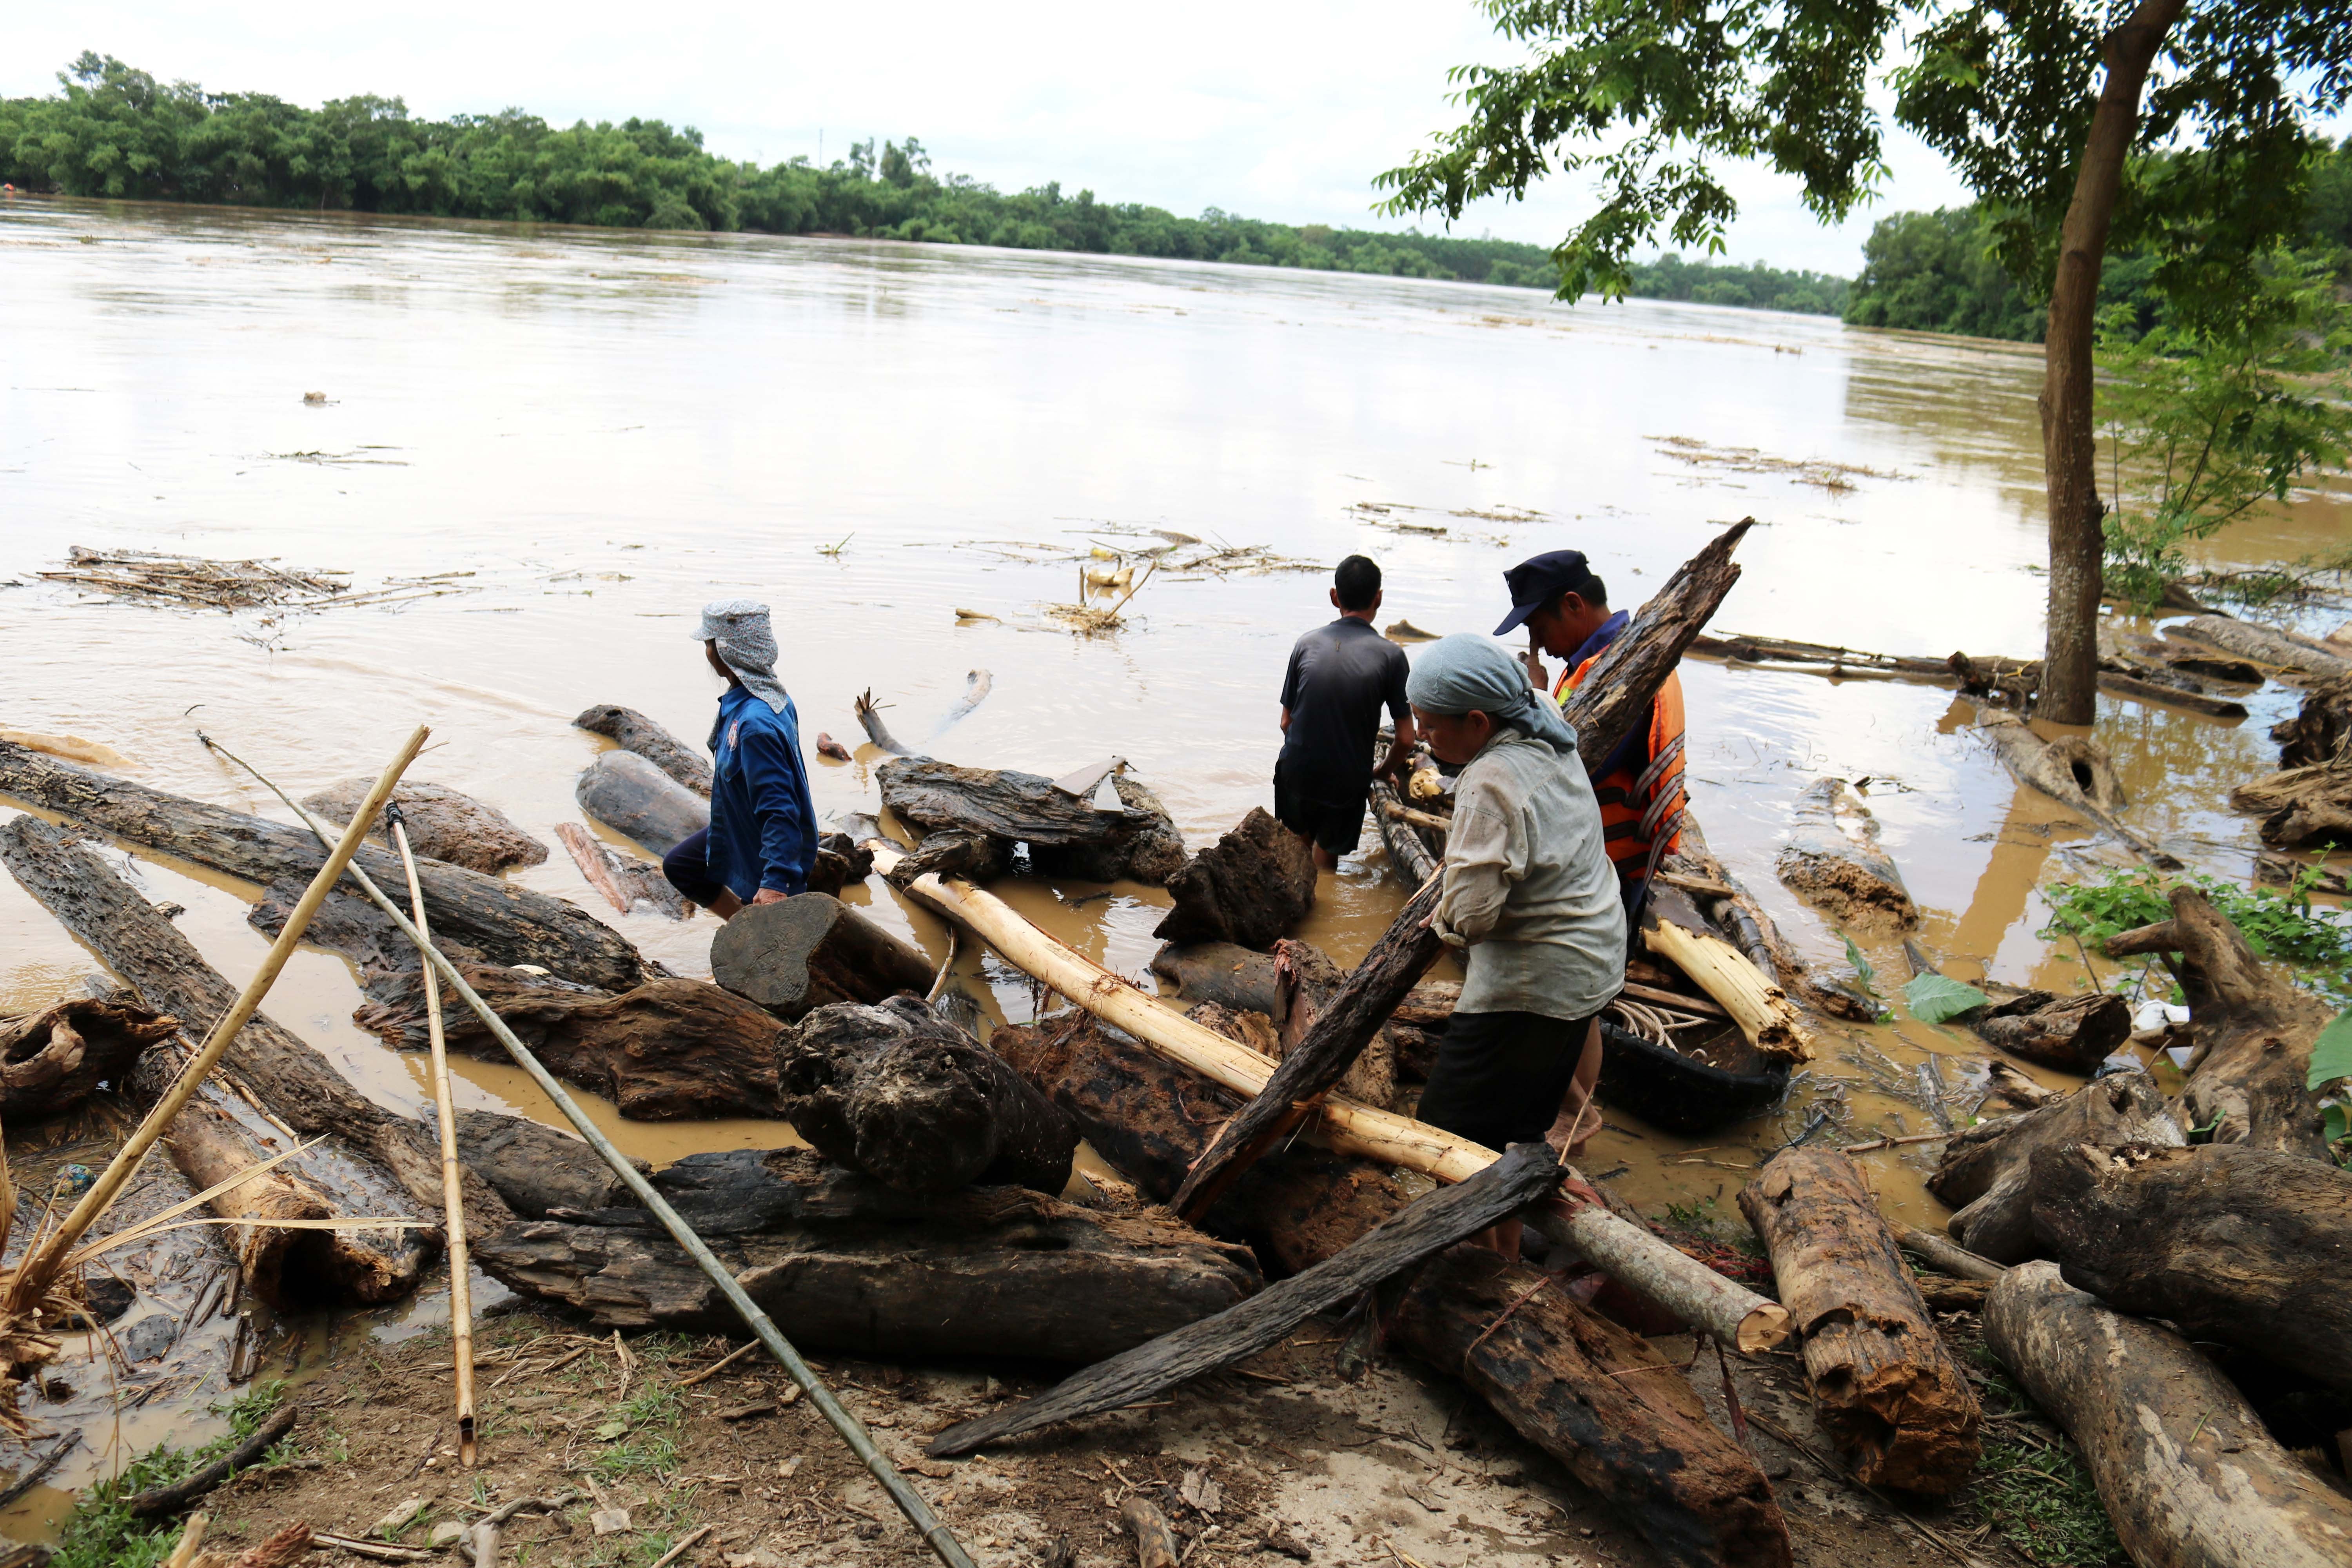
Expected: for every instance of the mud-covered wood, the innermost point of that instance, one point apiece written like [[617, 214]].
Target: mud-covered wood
[[1834, 861], [506, 923], [2073, 771], [626, 882], [2266, 644], [2245, 1246], [811, 951], [671, 1049], [1987, 1170], [443, 823], [1340, 1030], [639, 801], [51, 1060], [917, 1103], [2185, 1467], [2073, 1034], [2302, 807], [1251, 887], [2321, 730], [1308, 984], [855, 1267], [1221, 972], [1436, 1221], [633, 732], [1883, 1384]]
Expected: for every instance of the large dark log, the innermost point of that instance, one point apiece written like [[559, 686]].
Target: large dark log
[[2185, 1468], [809, 951], [1023, 808], [1883, 1384], [1221, 972], [2244, 1245], [2302, 807], [918, 1104], [51, 1060], [1614, 698], [1834, 861], [1251, 887], [633, 732], [2321, 730], [350, 924], [1148, 848], [672, 1049], [1987, 1170], [1340, 1031], [442, 824], [1310, 985], [507, 925], [637, 800], [1523, 1174], [2073, 1034], [534, 1168], [855, 1266]]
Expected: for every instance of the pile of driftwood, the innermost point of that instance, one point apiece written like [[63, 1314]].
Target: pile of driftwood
[[197, 582]]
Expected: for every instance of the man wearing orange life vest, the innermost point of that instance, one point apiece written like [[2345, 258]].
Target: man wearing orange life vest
[[1565, 607]]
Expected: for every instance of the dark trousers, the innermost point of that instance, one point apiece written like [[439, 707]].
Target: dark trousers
[[688, 867], [1499, 1078]]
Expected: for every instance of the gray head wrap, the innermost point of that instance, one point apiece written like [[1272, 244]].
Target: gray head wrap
[[746, 645], [1456, 674]]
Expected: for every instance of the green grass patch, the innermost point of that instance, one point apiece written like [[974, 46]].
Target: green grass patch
[[100, 1533], [2032, 1486], [644, 1435]]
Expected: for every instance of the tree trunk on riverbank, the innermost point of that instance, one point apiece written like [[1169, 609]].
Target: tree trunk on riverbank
[[1987, 1170], [52, 1059]]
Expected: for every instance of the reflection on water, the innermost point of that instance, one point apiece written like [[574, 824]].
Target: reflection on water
[[601, 430]]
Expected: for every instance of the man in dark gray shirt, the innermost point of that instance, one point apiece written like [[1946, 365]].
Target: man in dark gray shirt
[[1340, 677]]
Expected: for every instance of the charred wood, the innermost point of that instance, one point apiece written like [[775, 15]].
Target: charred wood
[[1249, 888]]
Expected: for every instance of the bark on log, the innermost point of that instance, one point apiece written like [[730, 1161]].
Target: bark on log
[[1223, 972], [2183, 1464], [2264, 645], [1148, 850], [1155, 1543], [856, 1268], [2073, 1034], [443, 824], [625, 881], [1429, 1224], [670, 1050], [1834, 860], [2244, 1245], [507, 925], [633, 732], [1310, 985], [1883, 1384], [917, 1104], [1614, 698], [533, 1167], [2074, 772], [1251, 887], [349, 924], [1407, 852], [2254, 1032], [809, 951], [2302, 807], [51, 1060], [1023, 808], [1987, 1170], [2321, 730], [639, 801]]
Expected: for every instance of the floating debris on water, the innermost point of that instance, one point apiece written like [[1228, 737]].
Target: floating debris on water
[[144, 576], [1817, 471]]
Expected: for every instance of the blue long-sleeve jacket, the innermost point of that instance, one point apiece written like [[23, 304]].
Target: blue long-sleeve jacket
[[763, 823]]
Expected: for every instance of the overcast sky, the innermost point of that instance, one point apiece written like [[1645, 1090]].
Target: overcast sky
[[1273, 109]]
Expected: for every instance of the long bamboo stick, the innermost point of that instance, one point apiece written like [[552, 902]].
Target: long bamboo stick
[[453, 1197], [935, 1533], [40, 1270]]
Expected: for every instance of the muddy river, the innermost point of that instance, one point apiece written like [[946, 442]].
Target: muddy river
[[564, 442]]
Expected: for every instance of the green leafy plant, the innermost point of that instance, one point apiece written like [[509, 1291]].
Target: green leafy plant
[[100, 1533], [2278, 923], [2331, 1069], [1933, 999]]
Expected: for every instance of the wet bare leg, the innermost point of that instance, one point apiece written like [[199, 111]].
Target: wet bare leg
[[1579, 1118]]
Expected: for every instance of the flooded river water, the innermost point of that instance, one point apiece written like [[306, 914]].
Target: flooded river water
[[585, 435]]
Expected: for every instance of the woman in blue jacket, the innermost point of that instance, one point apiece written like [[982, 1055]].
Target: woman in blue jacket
[[761, 839]]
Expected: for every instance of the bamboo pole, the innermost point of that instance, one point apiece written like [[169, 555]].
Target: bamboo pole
[[935, 1533], [38, 1271], [453, 1192]]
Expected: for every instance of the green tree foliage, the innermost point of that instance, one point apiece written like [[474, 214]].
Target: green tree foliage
[[117, 131]]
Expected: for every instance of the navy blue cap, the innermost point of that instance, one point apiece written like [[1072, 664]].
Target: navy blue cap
[[1538, 580]]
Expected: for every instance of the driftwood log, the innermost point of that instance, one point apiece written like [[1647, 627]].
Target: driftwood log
[[2321, 730], [671, 1049], [535, 1168], [1834, 861], [633, 732], [639, 801], [2266, 644], [1883, 1384], [857, 1268], [51, 1060], [917, 1104], [1250, 887], [1987, 1170], [812, 951], [1409, 853], [625, 881], [1221, 972], [1308, 984], [2073, 771], [507, 924], [2244, 1245], [2185, 1468], [2073, 1034], [2302, 807], [1066, 834], [442, 823], [1753, 932]]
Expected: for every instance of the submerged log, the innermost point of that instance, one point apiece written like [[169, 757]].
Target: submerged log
[[1883, 1384], [2266, 644], [1987, 1170], [625, 881], [2321, 730], [809, 951], [1834, 861], [2228, 1243], [2187, 1471], [639, 801], [506, 923], [51, 1060], [442, 823], [1250, 887], [917, 1104], [671, 1049], [2073, 1034], [2073, 771], [2302, 807], [855, 1266], [633, 732]]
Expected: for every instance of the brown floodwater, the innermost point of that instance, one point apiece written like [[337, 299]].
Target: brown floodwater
[[597, 431]]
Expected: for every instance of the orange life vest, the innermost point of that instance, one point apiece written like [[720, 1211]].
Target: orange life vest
[[1648, 794]]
